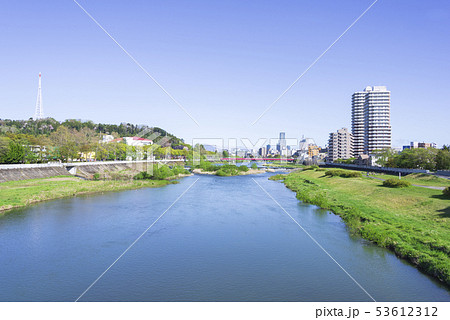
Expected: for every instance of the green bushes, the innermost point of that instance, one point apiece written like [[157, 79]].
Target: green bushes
[[343, 173], [313, 167], [161, 173], [230, 170], [321, 169], [96, 176], [277, 177], [396, 183], [243, 168], [446, 192], [254, 166]]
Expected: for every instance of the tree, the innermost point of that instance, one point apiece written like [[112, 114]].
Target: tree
[[443, 159], [15, 154], [417, 159], [4, 148], [386, 157], [65, 143]]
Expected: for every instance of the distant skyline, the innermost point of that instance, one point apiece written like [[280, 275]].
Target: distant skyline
[[226, 62]]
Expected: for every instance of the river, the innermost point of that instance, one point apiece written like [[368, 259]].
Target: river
[[225, 239]]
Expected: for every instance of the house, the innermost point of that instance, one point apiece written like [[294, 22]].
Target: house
[[137, 141]]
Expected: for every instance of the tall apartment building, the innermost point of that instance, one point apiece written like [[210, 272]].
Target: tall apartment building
[[340, 145], [371, 120]]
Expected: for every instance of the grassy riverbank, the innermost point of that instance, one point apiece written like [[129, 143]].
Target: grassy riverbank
[[413, 222], [279, 164], [15, 194], [419, 179]]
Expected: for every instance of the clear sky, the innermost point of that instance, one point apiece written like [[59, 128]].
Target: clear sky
[[227, 61]]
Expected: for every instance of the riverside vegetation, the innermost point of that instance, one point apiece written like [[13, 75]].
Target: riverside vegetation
[[411, 221], [226, 170], [15, 194]]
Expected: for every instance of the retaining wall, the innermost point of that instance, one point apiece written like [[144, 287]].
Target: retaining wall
[[31, 173], [443, 173], [12, 172]]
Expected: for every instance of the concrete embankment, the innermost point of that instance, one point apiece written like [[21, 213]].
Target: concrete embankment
[[81, 169], [14, 174]]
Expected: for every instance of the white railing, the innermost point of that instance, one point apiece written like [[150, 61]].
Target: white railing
[[77, 164]]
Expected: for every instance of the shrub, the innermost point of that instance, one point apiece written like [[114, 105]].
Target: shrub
[[243, 168], [351, 174], [277, 177], [254, 166], [161, 173], [321, 169], [396, 183], [230, 170], [310, 167], [446, 192], [207, 166], [142, 176], [222, 173], [96, 176], [343, 173]]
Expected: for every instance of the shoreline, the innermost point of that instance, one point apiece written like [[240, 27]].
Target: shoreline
[[241, 173], [379, 221], [24, 193]]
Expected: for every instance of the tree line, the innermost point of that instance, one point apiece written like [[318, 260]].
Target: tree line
[[30, 141], [428, 159]]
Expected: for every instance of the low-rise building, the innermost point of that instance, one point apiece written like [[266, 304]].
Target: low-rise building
[[420, 145], [313, 150], [340, 145]]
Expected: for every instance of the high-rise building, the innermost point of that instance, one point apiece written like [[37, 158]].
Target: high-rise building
[[39, 112], [262, 152], [340, 145], [358, 99], [371, 120], [281, 142], [281, 146]]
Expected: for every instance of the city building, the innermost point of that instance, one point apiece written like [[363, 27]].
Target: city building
[[303, 148], [371, 121], [420, 145], [281, 146], [340, 145], [313, 150], [263, 151]]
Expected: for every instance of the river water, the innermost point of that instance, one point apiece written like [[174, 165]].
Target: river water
[[224, 240]]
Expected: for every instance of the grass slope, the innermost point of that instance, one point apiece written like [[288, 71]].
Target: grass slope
[[419, 179], [14, 194], [413, 222]]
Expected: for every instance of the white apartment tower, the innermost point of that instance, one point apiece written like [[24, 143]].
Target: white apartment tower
[[340, 145], [371, 120]]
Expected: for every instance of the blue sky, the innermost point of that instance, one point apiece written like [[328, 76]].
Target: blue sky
[[226, 61]]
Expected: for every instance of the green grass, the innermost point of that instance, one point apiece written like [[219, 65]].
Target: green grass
[[14, 194], [413, 222], [419, 179], [279, 164]]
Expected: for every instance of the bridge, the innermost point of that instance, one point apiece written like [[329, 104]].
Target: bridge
[[258, 159]]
